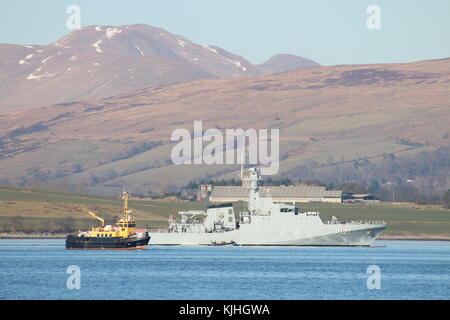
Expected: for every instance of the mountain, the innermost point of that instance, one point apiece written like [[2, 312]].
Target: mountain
[[100, 61], [285, 62], [333, 122]]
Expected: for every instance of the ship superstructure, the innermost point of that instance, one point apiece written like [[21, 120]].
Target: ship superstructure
[[264, 223]]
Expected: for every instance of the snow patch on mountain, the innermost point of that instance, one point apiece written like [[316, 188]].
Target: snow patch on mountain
[[210, 49], [46, 59], [110, 32], [33, 77], [238, 64], [97, 47], [139, 49]]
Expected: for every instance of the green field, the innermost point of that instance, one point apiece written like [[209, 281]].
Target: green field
[[42, 209]]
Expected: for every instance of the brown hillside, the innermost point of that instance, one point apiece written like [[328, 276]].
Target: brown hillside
[[326, 114]]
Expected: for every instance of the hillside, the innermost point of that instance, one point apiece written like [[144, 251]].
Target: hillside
[[101, 61], [329, 117]]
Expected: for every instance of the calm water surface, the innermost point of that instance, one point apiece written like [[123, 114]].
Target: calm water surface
[[36, 269]]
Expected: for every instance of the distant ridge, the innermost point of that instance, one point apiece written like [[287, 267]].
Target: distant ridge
[[285, 62]]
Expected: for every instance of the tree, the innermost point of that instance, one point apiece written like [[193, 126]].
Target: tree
[[374, 185], [447, 199]]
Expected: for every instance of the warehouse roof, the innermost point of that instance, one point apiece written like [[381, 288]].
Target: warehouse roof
[[276, 192]]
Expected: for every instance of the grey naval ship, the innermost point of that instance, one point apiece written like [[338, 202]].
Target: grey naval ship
[[264, 223]]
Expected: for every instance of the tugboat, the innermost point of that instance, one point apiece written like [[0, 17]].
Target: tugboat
[[122, 235]]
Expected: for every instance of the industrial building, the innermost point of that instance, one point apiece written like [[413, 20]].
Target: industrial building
[[363, 198], [278, 194]]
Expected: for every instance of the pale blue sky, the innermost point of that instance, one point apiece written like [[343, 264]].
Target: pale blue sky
[[327, 31]]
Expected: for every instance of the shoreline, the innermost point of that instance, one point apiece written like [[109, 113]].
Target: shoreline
[[422, 237], [32, 236], [417, 237]]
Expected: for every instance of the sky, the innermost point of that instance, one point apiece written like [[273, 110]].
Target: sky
[[330, 32]]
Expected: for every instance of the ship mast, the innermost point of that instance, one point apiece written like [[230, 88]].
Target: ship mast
[[125, 206], [253, 178], [242, 163]]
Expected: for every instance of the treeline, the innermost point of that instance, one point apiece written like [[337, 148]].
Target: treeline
[[424, 176]]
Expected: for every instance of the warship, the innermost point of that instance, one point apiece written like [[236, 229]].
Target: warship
[[122, 235], [264, 223]]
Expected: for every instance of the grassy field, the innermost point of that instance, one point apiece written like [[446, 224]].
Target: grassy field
[[401, 218], [39, 208], [42, 209]]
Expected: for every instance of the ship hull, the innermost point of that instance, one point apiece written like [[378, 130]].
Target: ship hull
[[326, 235], [114, 243]]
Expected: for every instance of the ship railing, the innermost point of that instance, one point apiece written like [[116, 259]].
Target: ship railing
[[357, 222]]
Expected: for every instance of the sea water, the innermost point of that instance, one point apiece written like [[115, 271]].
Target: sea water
[[44, 269]]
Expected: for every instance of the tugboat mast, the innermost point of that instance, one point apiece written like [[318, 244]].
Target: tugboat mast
[[125, 207]]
